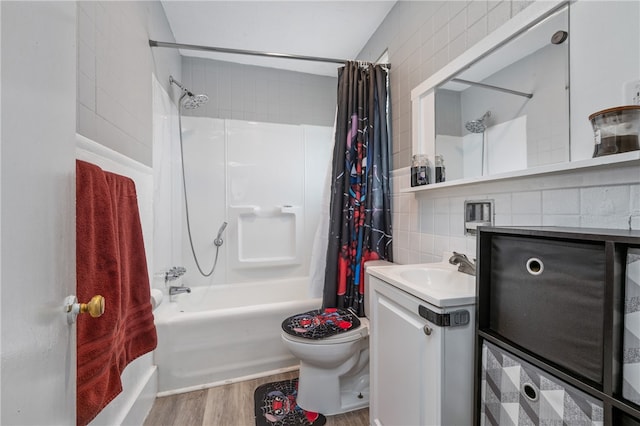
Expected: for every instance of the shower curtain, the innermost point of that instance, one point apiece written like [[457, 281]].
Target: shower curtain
[[360, 210]]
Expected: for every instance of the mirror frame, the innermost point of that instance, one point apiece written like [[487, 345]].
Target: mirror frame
[[423, 96]]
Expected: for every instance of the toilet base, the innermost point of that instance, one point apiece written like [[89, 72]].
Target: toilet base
[[330, 395]]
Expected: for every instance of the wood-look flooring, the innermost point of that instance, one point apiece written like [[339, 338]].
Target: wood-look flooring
[[228, 405]]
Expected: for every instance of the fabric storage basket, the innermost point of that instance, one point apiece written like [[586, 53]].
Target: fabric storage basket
[[513, 392], [631, 339], [547, 296]]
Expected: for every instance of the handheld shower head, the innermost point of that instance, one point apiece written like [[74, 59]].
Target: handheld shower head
[[478, 126], [218, 241]]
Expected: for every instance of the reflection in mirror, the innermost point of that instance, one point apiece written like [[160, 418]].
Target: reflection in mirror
[[509, 110]]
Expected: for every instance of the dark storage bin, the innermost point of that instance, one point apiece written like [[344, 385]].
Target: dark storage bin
[[513, 392], [623, 419], [547, 296]]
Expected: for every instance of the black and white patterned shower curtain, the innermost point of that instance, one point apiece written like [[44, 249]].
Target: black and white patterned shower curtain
[[360, 211]]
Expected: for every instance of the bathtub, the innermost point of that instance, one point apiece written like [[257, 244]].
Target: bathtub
[[225, 333]]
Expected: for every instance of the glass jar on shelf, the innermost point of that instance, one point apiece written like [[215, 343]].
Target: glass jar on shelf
[[419, 170]]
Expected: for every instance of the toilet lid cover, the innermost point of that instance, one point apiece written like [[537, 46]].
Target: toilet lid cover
[[321, 323]]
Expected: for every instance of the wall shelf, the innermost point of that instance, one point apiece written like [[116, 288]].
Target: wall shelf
[[604, 163]]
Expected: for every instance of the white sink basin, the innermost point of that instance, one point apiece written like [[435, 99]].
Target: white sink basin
[[440, 279], [437, 283]]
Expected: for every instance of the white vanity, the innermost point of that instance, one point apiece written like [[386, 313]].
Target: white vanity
[[421, 344]]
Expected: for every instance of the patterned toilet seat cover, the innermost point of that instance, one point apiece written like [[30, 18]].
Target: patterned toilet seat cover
[[321, 323]]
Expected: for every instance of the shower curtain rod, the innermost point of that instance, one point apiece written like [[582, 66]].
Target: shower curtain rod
[[154, 43], [489, 86]]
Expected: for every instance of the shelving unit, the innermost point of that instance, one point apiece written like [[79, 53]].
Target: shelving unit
[[551, 302]]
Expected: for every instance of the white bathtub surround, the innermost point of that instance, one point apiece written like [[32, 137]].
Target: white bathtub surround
[[226, 332], [265, 180]]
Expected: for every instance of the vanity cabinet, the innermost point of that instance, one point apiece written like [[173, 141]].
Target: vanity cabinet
[[420, 371], [552, 333]]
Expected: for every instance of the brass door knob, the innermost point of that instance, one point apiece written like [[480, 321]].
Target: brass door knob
[[95, 307]]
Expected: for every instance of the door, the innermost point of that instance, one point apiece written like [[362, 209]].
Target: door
[[38, 80], [405, 360]]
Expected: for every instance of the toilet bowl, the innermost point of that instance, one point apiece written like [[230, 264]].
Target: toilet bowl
[[334, 371]]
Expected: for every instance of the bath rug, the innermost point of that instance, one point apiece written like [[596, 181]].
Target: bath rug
[[319, 323], [275, 405]]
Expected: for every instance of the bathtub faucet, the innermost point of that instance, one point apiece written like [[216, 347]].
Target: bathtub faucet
[[178, 289], [465, 265]]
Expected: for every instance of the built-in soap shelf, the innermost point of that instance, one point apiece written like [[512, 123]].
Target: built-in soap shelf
[[604, 162], [266, 235], [477, 213]]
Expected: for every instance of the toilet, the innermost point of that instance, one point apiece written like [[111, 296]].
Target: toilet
[[334, 369]]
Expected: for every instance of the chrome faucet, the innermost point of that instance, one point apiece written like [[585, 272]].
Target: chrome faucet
[[465, 265], [174, 273], [178, 289]]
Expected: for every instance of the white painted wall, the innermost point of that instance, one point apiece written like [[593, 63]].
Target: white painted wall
[[38, 226], [66, 66], [600, 65]]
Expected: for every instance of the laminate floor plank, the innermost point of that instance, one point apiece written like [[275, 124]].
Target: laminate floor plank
[[228, 405], [183, 409]]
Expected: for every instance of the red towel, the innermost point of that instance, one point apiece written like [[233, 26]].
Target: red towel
[[110, 261]]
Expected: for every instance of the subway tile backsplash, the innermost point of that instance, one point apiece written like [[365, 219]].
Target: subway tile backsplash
[[566, 200]]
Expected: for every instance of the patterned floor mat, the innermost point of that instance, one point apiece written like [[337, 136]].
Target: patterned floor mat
[[275, 405]]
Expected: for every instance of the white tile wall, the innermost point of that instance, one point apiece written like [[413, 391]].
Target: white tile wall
[[114, 67], [422, 37], [559, 200], [245, 92]]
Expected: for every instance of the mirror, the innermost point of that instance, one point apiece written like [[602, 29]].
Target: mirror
[[509, 109]]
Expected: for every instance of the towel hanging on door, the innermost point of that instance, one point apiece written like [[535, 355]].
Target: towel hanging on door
[[111, 261]]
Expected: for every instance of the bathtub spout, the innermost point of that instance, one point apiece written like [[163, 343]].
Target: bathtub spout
[[177, 290]]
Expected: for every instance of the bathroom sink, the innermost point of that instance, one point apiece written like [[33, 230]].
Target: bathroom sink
[[437, 283], [441, 279]]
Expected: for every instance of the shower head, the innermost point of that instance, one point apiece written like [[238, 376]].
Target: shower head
[[478, 126], [194, 101], [188, 100]]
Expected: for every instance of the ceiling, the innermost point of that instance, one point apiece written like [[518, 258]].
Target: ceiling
[[328, 29]]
